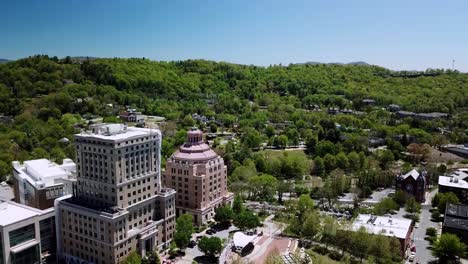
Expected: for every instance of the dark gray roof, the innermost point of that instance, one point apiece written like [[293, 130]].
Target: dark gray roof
[[456, 216]]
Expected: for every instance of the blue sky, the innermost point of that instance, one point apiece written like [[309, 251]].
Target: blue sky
[[397, 34]]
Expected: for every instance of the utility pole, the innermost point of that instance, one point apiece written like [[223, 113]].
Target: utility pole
[[453, 65]]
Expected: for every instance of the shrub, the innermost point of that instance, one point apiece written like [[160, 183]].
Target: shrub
[[431, 232], [321, 250], [435, 215], [335, 255]]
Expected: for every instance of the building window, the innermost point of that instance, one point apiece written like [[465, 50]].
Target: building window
[[22, 234]]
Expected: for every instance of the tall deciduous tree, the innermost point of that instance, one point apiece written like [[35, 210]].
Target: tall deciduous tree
[[246, 220], [210, 245], [224, 214], [237, 204], [184, 230], [449, 246]]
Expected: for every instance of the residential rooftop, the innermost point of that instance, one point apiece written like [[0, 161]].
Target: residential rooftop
[[387, 226]]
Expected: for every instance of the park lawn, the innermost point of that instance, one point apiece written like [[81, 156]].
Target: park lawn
[[276, 154], [321, 259]]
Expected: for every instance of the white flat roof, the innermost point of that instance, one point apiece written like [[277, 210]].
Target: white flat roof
[[241, 240], [387, 226], [43, 172], [43, 168], [13, 213], [119, 133], [452, 182]]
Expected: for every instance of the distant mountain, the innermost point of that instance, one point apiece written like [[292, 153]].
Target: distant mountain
[[4, 60], [359, 63]]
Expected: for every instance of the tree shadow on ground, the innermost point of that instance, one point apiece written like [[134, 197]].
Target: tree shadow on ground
[[206, 259]]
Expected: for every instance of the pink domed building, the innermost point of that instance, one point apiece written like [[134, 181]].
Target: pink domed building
[[199, 176]]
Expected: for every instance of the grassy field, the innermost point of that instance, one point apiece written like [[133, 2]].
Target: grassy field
[[321, 259], [274, 154]]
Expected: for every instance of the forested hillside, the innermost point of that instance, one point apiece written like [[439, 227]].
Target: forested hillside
[[49, 99]]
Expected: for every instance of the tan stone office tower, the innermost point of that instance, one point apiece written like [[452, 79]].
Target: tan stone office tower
[[199, 176], [119, 205]]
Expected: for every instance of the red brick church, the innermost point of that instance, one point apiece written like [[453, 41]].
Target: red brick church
[[413, 183]]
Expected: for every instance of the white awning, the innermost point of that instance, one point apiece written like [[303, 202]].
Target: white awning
[[241, 240]]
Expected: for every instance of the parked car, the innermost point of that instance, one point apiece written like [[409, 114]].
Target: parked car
[[192, 244], [210, 231]]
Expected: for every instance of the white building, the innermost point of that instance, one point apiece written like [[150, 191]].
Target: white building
[[457, 183], [400, 228], [27, 234], [37, 183]]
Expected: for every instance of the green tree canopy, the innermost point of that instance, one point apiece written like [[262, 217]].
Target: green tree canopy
[[448, 246], [210, 245], [183, 230]]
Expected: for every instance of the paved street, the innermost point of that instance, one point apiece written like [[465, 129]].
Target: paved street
[[269, 242], [423, 251]]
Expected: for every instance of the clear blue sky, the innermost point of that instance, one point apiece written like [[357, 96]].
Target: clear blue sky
[[397, 34]]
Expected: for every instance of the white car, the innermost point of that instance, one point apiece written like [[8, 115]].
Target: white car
[[416, 225]]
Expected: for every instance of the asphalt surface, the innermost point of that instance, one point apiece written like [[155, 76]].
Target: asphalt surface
[[423, 248], [376, 197], [423, 251], [192, 253]]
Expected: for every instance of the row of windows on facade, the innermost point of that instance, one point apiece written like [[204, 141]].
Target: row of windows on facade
[[94, 233], [184, 162], [129, 176], [79, 218], [83, 252], [104, 143], [185, 172], [211, 177], [211, 196], [139, 199], [179, 185], [102, 162], [97, 186], [92, 150], [53, 193]]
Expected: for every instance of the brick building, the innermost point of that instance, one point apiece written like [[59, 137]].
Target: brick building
[[199, 176], [413, 183], [37, 183]]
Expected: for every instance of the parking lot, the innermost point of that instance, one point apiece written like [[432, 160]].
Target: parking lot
[[194, 252]]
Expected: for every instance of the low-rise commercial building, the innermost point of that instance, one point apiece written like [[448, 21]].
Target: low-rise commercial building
[[37, 183], [456, 221], [456, 182], [132, 115], [399, 228], [27, 234], [459, 150]]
